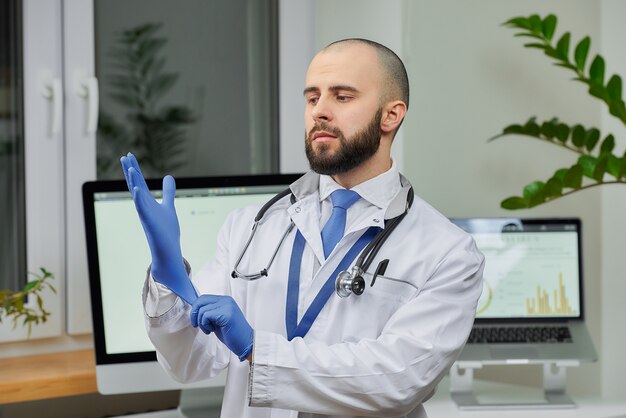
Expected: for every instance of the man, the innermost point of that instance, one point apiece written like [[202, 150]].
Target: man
[[289, 351]]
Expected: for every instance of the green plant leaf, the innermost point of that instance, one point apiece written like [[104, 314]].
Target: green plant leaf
[[588, 164], [600, 169], [553, 188], [160, 85], [591, 138], [536, 45], [574, 177], [580, 53], [534, 193], [566, 65], [30, 285], [562, 132], [552, 53], [578, 136], [514, 202], [614, 166], [518, 22], [607, 145], [536, 24], [596, 71], [622, 170], [548, 128], [548, 26], [614, 88], [560, 174], [531, 127], [563, 46], [513, 129], [618, 109]]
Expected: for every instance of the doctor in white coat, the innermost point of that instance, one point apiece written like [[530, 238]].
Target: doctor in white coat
[[292, 346]]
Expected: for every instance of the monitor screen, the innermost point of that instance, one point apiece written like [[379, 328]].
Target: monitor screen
[[532, 267], [119, 257]]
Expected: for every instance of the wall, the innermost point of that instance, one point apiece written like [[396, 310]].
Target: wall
[[470, 78], [613, 242]]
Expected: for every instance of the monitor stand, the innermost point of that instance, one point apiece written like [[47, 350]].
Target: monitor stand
[[194, 403], [554, 385], [201, 403]]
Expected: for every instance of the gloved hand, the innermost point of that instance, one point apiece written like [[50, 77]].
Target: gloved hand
[[221, 314], [160, 225]]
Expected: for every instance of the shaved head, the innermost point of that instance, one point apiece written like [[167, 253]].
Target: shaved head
[[395, 79]]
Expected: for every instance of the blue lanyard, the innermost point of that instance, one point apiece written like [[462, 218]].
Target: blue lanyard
[[293, 286]]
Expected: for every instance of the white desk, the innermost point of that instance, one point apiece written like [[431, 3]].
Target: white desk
[[442, 406]]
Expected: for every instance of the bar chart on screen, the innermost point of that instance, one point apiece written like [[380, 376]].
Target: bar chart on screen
[[541, 305]]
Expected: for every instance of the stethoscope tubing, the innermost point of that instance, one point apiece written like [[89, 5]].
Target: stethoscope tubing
[[363, 262]]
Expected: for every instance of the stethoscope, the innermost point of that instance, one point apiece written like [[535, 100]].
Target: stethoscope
[[347, 282]]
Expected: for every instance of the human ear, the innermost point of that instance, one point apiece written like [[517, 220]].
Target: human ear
[[393, 114]]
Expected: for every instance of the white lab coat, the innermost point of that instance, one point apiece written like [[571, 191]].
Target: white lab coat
[[380, 354]]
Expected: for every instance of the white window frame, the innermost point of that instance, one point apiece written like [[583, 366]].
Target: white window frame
[[43, 150]]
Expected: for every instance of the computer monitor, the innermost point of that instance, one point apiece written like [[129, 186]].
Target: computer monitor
[[118, 257]]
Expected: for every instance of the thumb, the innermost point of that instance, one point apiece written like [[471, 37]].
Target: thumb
[[169, 191]]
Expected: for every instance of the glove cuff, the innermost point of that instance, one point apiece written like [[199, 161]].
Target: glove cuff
[[246, 352]]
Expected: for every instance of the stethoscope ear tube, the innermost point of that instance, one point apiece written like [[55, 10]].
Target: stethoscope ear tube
[[271, 202]]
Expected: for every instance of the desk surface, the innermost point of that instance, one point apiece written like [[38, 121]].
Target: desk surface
[[441, 405], [46, 376]]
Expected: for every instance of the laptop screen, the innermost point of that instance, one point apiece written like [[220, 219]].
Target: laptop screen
[[532, 267], [119, 255]]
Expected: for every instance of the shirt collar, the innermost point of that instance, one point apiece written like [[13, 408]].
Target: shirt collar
[[388, 191], [379, 191]]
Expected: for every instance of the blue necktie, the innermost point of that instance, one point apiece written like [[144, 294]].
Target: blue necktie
[[334, 228]]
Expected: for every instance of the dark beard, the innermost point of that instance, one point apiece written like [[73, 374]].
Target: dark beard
[[351, 153]]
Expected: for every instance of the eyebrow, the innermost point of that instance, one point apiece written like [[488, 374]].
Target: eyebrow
[[332, 88]]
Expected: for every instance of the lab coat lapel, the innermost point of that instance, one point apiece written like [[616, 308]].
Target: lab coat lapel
[[305, 214]]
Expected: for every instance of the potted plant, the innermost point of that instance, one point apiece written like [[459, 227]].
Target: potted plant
[[12, 302], [154, 132]]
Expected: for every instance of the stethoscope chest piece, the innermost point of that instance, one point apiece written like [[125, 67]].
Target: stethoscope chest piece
[[349, 282]]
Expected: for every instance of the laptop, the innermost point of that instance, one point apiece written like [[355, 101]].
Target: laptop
[[531, 309]]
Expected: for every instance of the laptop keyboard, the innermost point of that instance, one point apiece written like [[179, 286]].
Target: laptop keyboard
[[507, 334]]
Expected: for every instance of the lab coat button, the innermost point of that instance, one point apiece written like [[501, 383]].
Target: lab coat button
[[298, 209]]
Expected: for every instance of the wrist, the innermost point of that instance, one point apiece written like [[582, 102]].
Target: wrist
[[163, 272]]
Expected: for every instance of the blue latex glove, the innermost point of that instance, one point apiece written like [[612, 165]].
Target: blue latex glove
[[160, 225], [221, 314]]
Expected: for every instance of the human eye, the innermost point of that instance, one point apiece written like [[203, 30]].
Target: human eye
[[342, 98], [312, 100]]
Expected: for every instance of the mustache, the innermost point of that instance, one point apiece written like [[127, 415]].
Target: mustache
[[323, 126]]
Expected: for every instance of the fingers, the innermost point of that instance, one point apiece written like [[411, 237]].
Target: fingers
[[209, 312], [206, 327], [140, 181], [169, 191], [142, 200], [125, 166]]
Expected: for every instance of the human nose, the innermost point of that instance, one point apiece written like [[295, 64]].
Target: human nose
[[321, 110]]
